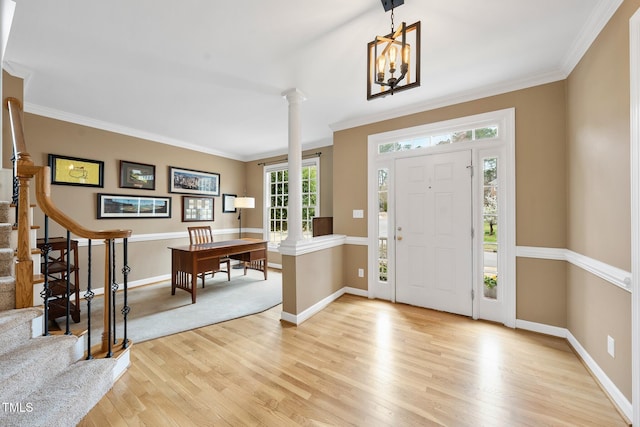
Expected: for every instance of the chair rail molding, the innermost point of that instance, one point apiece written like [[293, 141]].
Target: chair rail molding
[[611, 274]]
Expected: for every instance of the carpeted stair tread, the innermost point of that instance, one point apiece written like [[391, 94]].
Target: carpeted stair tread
[[33, 364], [67, 398], [4, 211], [15, 327], [7, 293], [7, 280], [5, 234], [6, 261]]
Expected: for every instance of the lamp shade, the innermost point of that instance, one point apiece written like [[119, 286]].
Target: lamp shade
[[244, 202]]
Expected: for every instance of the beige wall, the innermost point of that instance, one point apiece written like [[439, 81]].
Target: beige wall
[[595, 310], [598, 204], [148, 259], [540, 135], [541, 298], [308, 279], [355, 257], [599, 223], [540, 178]]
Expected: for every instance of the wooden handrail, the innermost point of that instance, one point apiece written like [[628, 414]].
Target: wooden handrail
[[27, 170], [43, 196], [19, 146]]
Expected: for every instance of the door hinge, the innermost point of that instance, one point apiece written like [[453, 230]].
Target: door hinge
[[473, 294], [473, 233]]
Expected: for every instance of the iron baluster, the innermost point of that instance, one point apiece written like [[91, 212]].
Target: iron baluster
[[67, 311], [114, 289], [108, 306], [125, 275], [15, 187], [46, 292], [88, 296]]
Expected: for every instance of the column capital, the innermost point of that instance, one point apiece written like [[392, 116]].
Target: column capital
[[294, 95]]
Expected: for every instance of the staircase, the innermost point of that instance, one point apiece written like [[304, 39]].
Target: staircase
[[7, 281], [43, 379]]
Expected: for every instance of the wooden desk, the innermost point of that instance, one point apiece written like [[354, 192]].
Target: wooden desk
[[189, 260]]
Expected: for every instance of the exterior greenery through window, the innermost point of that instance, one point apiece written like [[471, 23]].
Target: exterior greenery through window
[[383, 205], [490, 223], [277, 178], [422, 141]]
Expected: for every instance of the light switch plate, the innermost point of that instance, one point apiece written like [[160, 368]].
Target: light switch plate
[[358, 213]]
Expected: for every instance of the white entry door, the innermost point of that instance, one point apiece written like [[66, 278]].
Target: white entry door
[[434, 255]]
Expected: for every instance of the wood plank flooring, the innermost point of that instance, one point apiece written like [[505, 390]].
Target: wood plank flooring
[[359, 362]]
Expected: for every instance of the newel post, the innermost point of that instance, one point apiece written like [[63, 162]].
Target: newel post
[[25, 171]]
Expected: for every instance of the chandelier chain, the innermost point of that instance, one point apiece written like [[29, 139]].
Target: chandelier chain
[[392, 26]]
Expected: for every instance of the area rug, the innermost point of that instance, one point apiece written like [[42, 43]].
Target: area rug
[[156, 313]]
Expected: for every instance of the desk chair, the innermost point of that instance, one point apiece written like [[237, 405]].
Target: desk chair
[[203, 234]]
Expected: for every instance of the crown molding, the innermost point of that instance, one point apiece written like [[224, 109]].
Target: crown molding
[[16, 70], [487, 91], [124, 130], [597, 20], [325, 142]]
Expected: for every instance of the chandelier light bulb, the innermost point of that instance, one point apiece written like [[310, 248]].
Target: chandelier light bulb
[[406, 54], [392, 59], [381, 62]]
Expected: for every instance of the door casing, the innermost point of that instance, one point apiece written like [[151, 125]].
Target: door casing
[[504, 309]]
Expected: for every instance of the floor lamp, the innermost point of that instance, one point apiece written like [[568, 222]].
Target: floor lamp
[[243, 203]]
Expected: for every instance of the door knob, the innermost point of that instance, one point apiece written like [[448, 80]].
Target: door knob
[[399, 238]]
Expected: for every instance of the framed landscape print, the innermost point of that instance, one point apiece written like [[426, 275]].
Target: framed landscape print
[[137, 175], [131, 206], [227, 203], [197, 208], [76, 171], [193, 182]]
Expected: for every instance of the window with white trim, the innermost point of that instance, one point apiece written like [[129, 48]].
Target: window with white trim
[[277, 197], [440, 138]]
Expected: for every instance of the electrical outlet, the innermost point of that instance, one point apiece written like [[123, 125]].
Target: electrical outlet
[[611, 346], [361, 272]]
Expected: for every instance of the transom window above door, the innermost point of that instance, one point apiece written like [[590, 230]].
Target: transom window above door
[[484, 132]]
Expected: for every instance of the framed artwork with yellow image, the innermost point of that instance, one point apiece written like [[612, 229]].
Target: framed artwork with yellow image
[[76, 171]]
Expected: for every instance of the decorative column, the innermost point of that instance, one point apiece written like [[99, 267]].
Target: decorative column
[[303, 294], [294, 211]]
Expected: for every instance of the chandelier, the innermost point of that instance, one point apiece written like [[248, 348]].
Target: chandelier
[[393, 61]]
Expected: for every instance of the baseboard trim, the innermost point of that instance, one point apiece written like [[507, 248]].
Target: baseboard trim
[[623, 404], [356, 291], [309, 312], [541, 328], [320, 305]]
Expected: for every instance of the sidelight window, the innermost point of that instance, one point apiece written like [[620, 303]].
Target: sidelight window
[[490, 225]]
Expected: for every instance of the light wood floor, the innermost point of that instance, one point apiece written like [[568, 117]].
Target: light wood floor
[[359, 362]]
